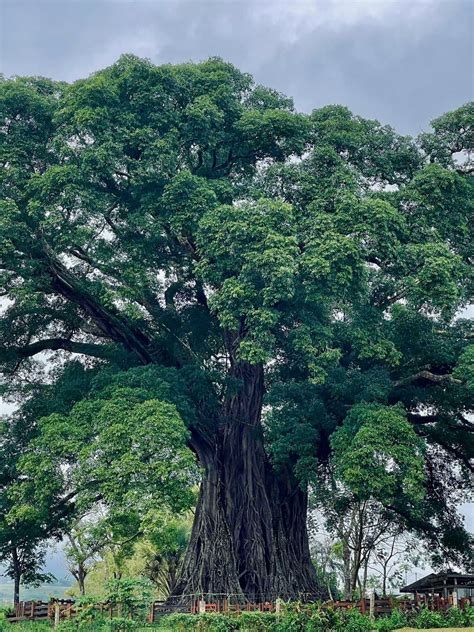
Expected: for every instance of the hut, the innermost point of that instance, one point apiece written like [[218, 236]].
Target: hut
[[446, 585]]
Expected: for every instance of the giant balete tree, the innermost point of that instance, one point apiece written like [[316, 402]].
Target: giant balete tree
[[287, 283]]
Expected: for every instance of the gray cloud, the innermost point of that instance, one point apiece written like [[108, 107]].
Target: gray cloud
[[400, 61]]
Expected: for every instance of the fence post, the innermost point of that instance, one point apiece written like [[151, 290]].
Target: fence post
[[372, 604], [278, 607], [56, 614], [202, 606]]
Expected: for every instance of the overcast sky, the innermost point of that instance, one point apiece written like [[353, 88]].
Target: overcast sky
[[403, 62]]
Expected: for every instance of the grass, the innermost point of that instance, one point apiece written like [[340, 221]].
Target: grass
[[45, 627], [165, 629]]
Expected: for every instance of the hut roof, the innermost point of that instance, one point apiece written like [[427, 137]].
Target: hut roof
[[437, 581]]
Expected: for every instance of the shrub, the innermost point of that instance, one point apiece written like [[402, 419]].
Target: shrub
[[396, 620], [324, 619], [79, 624], [257, 621], [354, 621], [122, 624], [132, 595], [180, 622], [427, 619], [460, 618], [202, 622], [294, 617]]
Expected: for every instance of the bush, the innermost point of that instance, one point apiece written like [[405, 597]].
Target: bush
[[427, 619], [354, 621], [296, 617], [122, 624], [202, 622], [395, 621], [80, 624], [257, 621], [324, 619], [132, 595]]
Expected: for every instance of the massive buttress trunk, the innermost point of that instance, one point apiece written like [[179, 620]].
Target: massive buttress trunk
[[249, 534]]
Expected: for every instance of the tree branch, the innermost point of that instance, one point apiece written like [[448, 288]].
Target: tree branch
[[430, 377], [106, 319], [54, 344]]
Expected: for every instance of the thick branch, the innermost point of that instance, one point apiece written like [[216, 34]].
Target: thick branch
[[108, 322], [456, 452], [420, 420], [459, 422], [54, 344], [430, 377]]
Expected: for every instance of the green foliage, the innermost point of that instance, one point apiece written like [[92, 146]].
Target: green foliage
[[313, 618], [172, 224], [428, 619], [461, 617], [377, 454], [249, 621], [132, 595], [396, 620], [303, 618], [453, 134], [22, 529], [131, 447], [165, 542]]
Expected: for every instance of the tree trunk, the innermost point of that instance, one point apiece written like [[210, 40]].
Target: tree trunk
[[384, 581], [249, 534], [16, 577], [364, 581], [346, 559], [81, 579]]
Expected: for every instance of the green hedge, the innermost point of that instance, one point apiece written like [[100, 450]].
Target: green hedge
[[297, 618], [293, 618]]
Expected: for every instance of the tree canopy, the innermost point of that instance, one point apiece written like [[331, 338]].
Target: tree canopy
[[202, 247]]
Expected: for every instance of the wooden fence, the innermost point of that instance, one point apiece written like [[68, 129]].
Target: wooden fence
[[38, 610], [60, 609], [234, 604]]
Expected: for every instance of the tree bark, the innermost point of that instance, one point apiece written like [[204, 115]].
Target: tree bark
[[346, 558], [249, 535], [81, 579], [16, 577]]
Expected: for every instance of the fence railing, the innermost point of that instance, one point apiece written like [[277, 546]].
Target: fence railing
[[36, 610], [60, 609]]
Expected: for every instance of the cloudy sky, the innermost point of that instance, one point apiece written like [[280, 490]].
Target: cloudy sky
[[401, 61]]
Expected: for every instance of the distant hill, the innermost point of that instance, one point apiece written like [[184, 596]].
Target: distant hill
[[42, 593]]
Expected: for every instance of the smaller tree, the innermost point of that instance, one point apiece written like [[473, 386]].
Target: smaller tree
[[85, 542], [24, 566], [167, 538], [327, 561], [397, 553], [131, 597], [22, 529], [377, 462]]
